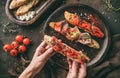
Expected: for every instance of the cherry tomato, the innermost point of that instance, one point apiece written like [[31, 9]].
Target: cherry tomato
[[7, 47], [22, 48], [19, 38], [15, 44], [26, 41], [13, 52]]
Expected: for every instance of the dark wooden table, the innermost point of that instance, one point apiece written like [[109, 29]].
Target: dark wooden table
[[34, 31]]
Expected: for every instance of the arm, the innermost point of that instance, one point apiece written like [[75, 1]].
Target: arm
[[42, 54]]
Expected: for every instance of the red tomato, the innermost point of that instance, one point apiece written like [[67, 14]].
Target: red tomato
[[56, 48], [26, 41], [13, 52], [7, 47], [58, 26], [15, 44], [19, 38], [22, 48], [75, 19]]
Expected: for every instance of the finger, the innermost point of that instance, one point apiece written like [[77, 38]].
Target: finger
[[83, 67], [82, 71], [47, 47], [47, 54], [74, 69], [70, 67], [69, 63], [40, 48]]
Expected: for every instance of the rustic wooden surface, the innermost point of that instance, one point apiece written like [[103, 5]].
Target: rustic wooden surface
[[34, 32]]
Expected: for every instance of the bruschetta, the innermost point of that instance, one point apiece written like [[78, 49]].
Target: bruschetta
[[76, 20], [66, 50], [74, 34]]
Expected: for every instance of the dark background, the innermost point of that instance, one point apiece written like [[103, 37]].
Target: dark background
[[34, 31]]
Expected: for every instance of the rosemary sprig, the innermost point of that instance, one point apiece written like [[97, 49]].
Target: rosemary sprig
[[110, 6], [9, 28]]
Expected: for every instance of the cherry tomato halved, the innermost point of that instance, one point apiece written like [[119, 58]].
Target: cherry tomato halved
[[26, 41], [13, 52], [19, 38], [7, 47], [15, 44], [22, 48]]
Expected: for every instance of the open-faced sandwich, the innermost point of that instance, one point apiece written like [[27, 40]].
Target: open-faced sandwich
[[76, 20], [74, 34], [66, 50]]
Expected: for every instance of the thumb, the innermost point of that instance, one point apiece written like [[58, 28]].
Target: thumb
[[74, 68], [48, 53]]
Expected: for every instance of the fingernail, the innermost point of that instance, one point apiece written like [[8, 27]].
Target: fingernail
[[47, 47], [51, 49]]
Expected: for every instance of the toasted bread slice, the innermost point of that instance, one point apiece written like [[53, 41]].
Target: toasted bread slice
[[26, 7], [66, 50], [76, 20], [16, 3], [73, 33]]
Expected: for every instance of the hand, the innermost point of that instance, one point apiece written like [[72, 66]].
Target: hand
[[42, 54], [76, 70]]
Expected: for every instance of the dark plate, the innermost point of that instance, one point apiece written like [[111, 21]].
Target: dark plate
[[96, 55], [41, 7]]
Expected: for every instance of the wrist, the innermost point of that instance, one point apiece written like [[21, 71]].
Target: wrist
[[31, 71], [27, 73]]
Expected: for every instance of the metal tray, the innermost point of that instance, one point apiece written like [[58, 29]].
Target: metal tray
[[41, 7], [96, 55]]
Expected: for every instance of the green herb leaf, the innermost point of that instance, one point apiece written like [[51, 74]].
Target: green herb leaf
[[86, 35], [110, 6]]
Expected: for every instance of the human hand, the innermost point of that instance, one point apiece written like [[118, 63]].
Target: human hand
[[76, 70], [42, 54]]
